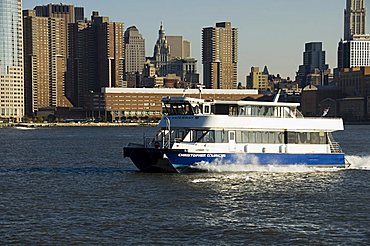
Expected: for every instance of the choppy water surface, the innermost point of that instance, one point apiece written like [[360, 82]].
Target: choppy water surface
[[71, 186]]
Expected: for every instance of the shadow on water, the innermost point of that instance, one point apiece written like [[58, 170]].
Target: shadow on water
[[66, 170]]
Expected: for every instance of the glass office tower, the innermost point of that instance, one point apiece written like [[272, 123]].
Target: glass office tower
[[11, 61]]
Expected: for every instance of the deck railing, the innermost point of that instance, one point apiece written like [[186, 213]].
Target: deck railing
[[334, 146], [149, 142]]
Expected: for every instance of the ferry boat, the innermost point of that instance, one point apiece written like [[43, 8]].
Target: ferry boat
[[196, 132]]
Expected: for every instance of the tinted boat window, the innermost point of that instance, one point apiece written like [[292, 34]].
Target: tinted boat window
[[221, 109], [206, 109], [221, 137], [232, 136], [178, 109], [307, 138]]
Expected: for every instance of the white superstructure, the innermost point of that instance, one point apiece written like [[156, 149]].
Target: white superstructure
[[249, 126]]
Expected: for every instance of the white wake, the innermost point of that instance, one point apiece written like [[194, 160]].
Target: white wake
[[359, 162], [220, 166], [223, 167]]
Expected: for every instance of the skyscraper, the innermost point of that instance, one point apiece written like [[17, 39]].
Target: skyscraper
[[134, 50], [134, 57], [220, 56], [314, 62], [179, 48], [11, 60], [110, 51], [69, 13], [96, 57], [354, 50], [44, 62], [82, 65], [354, 19], [161, 54]]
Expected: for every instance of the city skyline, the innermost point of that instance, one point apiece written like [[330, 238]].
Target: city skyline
[[271, 32]]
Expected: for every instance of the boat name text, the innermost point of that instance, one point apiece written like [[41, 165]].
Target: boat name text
[[202, 155]]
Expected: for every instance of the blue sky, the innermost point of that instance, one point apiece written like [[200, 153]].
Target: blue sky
[[271, 32]]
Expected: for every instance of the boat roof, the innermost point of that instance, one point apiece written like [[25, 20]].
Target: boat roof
[[252, 123], [239, 103]]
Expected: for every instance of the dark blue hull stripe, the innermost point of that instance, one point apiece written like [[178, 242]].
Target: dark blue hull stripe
[[187, 159]]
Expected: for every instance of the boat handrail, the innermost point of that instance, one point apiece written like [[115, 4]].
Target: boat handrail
[[298, 114], [276, 117], [149, 142], [269, 116], [334, 146], [155, 143]]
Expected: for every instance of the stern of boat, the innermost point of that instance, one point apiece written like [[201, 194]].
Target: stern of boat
[[150, 160]]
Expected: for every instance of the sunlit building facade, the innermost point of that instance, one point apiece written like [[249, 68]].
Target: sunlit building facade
[[96, 55], [354, 19], [354, 50], [134, 50], [220, 56], [45, 65], [11, 60]]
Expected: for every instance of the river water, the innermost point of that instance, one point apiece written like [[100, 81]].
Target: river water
[[72, 186]]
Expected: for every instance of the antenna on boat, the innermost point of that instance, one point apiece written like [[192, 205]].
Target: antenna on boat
[[276, 100], [200, 87], [184, 91]]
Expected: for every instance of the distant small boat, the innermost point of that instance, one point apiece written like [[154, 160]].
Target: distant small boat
[[24, 128]]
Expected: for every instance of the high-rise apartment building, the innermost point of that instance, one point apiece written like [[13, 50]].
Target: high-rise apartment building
[[314, 62], [110, 51], [69, 13], [60, 16], [354, 19], [220, 56], [44, 62], [96, 57], [11, 60], [82, 65], [179, 48]]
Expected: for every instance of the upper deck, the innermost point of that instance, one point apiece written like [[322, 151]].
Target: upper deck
[[182, 112], [192, 106]]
